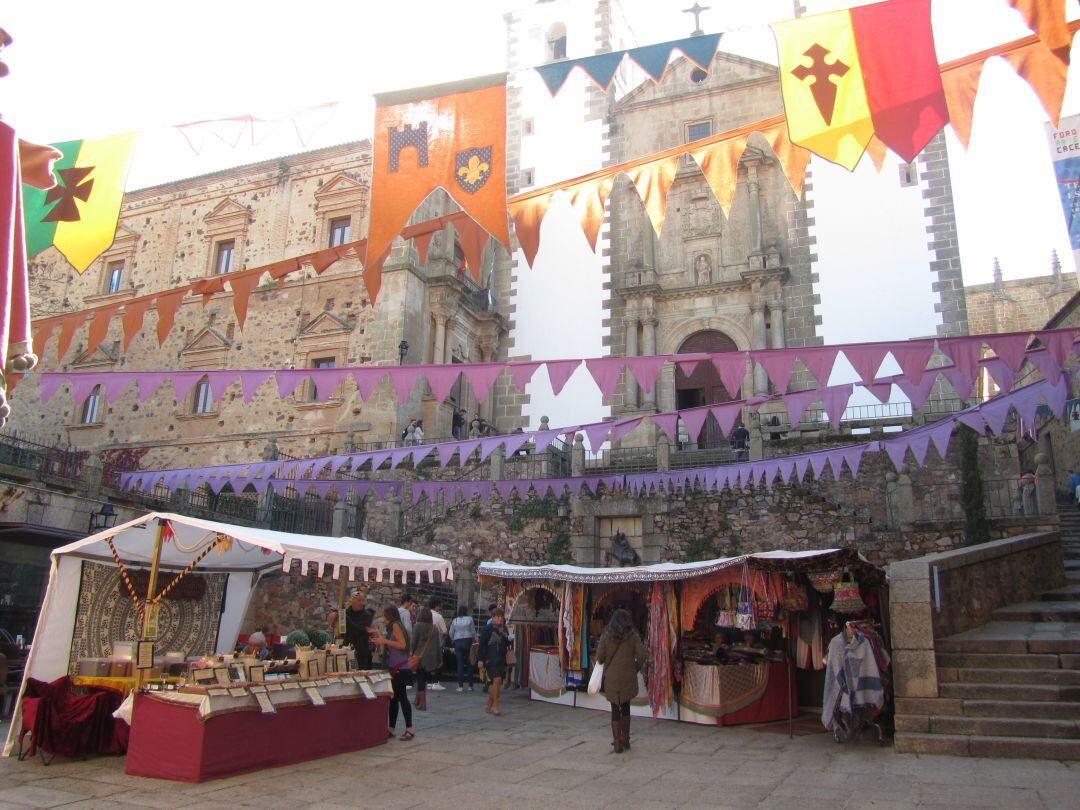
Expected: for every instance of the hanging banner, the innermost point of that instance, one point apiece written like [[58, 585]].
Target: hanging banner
[[450, 136], [1064, 141], [79, 214], [848, 75]]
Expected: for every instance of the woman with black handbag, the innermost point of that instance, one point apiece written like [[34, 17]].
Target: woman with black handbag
[[494, 644], [397, 661], [622, 655]]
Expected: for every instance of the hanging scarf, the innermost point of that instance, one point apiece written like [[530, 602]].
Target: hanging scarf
[[662, 631]]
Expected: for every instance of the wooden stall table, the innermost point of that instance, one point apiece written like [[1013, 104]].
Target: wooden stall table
[[547, 682], [733, 694], [121, 685], [191, 738]]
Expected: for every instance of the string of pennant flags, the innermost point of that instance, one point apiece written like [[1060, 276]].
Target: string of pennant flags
[[902, 97], [303, 476], [1046, 351]]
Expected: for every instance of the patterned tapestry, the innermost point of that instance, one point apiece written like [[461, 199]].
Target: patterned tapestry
[[106, 613]]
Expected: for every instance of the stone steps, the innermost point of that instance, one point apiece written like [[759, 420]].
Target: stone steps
[[1006, 727], [985, 746], [1009, 692], [1007, 661], [994, 675], [1035, 710], [1064, 594], [1040, 611]]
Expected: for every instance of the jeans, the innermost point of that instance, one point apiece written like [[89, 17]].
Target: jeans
[[462, 646], [399, 681]]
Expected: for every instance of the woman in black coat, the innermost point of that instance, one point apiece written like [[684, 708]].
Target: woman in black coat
[[494, 644]]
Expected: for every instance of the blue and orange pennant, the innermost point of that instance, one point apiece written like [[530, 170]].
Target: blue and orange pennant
[[849, 75]]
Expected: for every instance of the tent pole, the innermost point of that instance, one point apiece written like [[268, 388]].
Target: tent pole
[[343, 581], [155, 563]]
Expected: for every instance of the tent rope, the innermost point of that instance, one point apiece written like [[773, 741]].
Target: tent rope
[[322, 592], [190, 566], [127, 580]]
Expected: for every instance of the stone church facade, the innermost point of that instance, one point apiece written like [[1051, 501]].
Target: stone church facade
[[708, 282]]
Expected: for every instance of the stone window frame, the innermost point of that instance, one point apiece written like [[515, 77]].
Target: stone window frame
[[228, 221], [214, 358], [309, 386], [340, 197], [202, 403], [96, 417], [695, 123], [312, 346], [122, 250]]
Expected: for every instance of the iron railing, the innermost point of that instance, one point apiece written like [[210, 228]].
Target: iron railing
[[1002, 498], [42, 459]]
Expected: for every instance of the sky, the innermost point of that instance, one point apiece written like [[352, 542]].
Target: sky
[[78, 72]]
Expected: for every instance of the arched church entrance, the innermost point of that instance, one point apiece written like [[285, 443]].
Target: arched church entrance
[[703, 387]]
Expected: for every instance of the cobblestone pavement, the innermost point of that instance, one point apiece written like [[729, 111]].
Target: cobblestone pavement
[[536, 752]]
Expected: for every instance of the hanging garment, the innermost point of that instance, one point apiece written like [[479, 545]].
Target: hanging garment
[[852, 678]]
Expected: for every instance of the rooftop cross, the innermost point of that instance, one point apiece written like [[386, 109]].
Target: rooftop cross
[[696, 11]]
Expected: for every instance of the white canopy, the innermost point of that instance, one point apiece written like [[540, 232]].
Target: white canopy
[[253, 553], [659, 572], [253, 549]]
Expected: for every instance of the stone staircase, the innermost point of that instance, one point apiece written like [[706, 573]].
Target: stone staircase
[[1010, 688]]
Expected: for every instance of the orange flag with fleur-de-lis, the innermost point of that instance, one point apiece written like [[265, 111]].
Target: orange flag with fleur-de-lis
[[449, 136]]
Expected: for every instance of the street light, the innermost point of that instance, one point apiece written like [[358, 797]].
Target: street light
[[105, 518], [403, 349]]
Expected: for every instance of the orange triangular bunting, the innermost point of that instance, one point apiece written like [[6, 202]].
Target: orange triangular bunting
[[323, 259], [279, 270], [719, 163], [99, 327], [653, 181], [372, 276], [68, 325], [793, 158], [1045, 73], [961, 84], [472, 239], [588, 200], [876, 151], [242, 285], [167, 304], [528, 215], [422, 241], [1046, 19], [42, 333], [132, 319]]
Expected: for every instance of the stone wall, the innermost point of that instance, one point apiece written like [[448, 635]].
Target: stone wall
[[1019, 304]]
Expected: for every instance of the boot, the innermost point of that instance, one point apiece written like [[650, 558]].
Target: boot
[[626, 732], [617, 736], [421, 701]]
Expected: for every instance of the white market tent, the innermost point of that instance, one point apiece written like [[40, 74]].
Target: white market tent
[[663, 572], [253, 553]]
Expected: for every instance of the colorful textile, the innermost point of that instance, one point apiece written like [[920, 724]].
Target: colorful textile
[[848, 75], [663, 635], [78, 216], [853, 678], [450, 136]]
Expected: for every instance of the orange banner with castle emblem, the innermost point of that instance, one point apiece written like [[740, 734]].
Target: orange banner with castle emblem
[[450, 136]]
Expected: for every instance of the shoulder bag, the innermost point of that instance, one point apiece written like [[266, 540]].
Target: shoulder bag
[[414, 660]]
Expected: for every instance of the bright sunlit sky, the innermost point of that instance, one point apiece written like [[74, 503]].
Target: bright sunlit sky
[[83, 69]]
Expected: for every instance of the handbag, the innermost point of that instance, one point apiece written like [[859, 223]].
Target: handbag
[[846, 598], [596, 680], [744, 614], [795, 600], [414, 660]]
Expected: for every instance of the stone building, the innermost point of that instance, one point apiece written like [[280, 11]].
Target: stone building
[[245, 217], [709, 283], [1018, 304]]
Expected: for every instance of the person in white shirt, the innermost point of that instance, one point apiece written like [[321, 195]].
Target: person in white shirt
[[435, 605], [462, 635], [418, 433]]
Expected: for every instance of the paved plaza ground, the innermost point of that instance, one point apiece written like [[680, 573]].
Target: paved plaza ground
[[539, 755]]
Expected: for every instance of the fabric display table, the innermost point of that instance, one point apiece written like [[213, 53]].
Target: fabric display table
[[727, 695], [547, 682], [121, 685], [196, 737]]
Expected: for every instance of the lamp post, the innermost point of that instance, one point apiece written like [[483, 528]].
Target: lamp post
[[105, 518], [403, 349]]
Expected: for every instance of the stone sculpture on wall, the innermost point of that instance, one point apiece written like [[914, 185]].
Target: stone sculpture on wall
[[703, 269]]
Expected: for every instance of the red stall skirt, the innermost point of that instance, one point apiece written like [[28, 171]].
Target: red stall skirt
[[169, 741]]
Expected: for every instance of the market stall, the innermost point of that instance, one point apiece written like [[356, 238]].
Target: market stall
[[728, 641], [107, 621]]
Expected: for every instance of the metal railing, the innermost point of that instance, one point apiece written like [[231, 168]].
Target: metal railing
[[42, 459], [1002, 498]]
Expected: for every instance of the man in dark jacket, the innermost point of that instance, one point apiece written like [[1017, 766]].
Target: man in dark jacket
[[357, 623]]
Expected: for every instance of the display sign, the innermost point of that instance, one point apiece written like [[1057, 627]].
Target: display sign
[[1064, 141]]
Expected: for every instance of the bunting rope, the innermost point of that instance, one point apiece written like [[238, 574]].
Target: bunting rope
[[219, 540], [322, 592], [523, 207], [127, 580]]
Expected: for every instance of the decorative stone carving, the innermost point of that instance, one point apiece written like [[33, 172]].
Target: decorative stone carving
[[701, 219], [703, 269]]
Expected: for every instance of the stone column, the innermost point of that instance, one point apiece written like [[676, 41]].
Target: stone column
[[648, 340], [631, 351], [340, 522], [487, 407], [663, 453], [498, 463], [1044, 485], [755, 208], [577, 455], [648, 239], [438, 354], [777, 340], [92, 472], [758, 340]]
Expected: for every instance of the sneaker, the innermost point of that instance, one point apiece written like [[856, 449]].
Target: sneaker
[[461, 689], [472, 688], [437, 687]]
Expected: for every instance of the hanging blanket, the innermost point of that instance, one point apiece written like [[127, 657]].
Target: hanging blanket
[[852, 678]]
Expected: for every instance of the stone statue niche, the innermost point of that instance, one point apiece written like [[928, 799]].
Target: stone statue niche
[[621, 551], [703, 269]]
